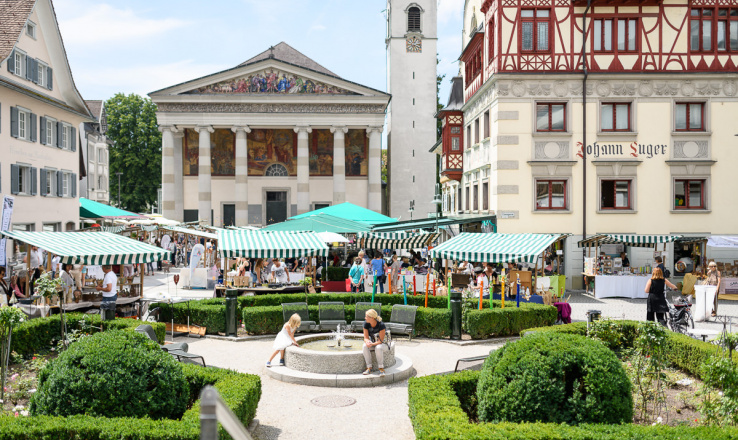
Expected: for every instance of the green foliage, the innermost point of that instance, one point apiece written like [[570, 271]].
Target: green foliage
[[47, 287], [10, 317], [437, 407], [38, 335], [646, 370], [241, 392], [337, 273], [136, 151], [481, 324], [616, 335], [719, 403], [431, 323], [555, 378], [112, 374]]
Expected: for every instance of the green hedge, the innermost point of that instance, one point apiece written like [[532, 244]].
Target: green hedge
[[482, 324], [439, 408], [337, 273], [682, 351], [241, 392], [36, 335]]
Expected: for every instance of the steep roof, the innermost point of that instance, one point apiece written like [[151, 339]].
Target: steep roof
[[456, 97], [95, 107], [13, 17], [285, 52]]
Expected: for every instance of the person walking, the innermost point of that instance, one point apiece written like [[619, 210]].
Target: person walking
[[713, 279], [378, 269], [395, 273], [656, 302], [357, 276]]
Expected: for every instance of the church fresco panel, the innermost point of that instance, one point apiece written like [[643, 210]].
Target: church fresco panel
[[271, 81], [356, 153], [321, 152], [270, 146], [222, 152]]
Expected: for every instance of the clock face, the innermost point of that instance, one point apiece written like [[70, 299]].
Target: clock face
[[414, 44]]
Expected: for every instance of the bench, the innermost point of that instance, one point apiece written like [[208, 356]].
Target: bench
[[402, 319], [301, 308], [357, 325], [177, 349], [331, 314]]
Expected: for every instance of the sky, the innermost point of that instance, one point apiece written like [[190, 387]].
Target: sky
[[137, 46]]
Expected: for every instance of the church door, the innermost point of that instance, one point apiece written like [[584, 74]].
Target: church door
[[276, 206], [229, 215]]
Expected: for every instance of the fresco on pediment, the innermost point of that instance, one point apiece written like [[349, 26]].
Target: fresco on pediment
[[268, 147], [356, 153], [321, 152], [272, 81], [222, 152]]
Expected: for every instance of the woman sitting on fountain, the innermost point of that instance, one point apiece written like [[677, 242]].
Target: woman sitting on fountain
[[374, 332], [285, 338]]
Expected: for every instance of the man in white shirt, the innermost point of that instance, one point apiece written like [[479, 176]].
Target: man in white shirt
[[279, 272], [109, 289]]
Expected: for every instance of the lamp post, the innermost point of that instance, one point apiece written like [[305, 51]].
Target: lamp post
[[118, 174]]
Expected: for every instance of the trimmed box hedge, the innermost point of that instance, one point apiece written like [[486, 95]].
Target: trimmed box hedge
[[682, 351], [440, 408], [38, 334], [241, 392], [482, 324]]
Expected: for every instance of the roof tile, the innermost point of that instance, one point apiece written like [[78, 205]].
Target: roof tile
[[13, 17]]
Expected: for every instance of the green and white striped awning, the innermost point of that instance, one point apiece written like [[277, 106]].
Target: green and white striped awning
[[395, 240], [495, 248], [634, 240], [235, 243], [113, 229], [91, 248]]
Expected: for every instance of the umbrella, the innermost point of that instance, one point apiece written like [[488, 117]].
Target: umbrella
[[331, 237]]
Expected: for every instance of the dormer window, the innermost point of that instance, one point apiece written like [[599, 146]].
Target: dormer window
[[31, 29], [413, 19]]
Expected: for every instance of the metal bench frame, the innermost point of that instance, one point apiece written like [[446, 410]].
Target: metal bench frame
[[301, 308], [402, 319], [331, 314], [361, 307]]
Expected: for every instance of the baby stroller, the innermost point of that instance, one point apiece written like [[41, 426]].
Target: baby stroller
[[679, 318]]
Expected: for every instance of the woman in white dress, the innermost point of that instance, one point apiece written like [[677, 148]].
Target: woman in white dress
[[285, 338]]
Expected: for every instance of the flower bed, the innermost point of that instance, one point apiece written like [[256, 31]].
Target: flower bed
[[444, 407]]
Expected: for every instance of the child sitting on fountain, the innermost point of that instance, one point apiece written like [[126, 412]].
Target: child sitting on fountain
[[285, 338]]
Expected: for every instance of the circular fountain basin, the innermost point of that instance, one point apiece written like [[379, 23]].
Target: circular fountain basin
[[322, 354]]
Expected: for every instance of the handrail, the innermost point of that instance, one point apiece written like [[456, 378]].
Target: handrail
[[213, 410]]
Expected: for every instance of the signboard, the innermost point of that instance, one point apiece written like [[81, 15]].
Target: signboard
[[612, 249], [5, 225], [731, 285]]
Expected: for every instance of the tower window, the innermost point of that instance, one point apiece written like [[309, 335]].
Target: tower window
[[413, 19]]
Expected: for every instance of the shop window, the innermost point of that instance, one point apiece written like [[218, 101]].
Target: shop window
[[689, 194], [727, 30], [550, 117], [476, 197], [615, 194], [550, 195], [615, 117], [690, 116]]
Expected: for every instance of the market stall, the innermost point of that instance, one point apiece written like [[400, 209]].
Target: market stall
[[242, 243], [605, 273], [93, 249], [729, 272]]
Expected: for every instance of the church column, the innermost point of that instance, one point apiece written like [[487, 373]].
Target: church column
[[242, 175], [167, 170], [374, 201], [339, 164], [178, 183], [303, 169], [204, 187]]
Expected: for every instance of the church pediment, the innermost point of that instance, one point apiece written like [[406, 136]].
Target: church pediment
[[272, 80]]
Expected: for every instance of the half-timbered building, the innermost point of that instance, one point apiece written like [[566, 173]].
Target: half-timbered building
[[599, 116]]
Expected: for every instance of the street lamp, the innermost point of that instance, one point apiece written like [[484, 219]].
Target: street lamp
[[412, 208], [118, 174]]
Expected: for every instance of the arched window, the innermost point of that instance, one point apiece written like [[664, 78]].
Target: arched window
[[276, 170], [413, 19]]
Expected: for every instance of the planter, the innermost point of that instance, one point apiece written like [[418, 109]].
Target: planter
[[333, 286]]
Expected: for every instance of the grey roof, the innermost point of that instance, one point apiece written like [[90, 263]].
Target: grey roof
[[456, 97], [95, 107], [13, 17], [285, 52]]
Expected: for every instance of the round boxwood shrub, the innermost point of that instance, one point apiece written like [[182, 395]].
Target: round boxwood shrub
[[554, 378], [112, 374]]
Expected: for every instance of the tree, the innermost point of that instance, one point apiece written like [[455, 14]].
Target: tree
[[136, 152]]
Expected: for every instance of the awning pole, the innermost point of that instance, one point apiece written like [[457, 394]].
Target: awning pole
[[28, 270]]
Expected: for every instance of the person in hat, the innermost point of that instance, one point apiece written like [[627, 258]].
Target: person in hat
[[481, 279]]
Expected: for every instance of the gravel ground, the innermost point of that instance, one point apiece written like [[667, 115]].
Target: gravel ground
[[286, 412]]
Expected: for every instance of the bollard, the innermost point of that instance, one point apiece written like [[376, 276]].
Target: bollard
[[455, 300], [230, 311]]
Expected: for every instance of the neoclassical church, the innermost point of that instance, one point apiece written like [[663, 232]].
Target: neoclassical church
[[273, 137]]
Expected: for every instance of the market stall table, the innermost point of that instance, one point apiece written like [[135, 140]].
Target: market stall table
[[625, 286], [220, 290]]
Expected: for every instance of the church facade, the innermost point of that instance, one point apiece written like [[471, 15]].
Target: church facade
[[273, 137]]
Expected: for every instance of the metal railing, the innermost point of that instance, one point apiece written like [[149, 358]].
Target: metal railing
[[213, 410]]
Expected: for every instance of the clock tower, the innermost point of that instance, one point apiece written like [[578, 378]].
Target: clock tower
[[411, 123]]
